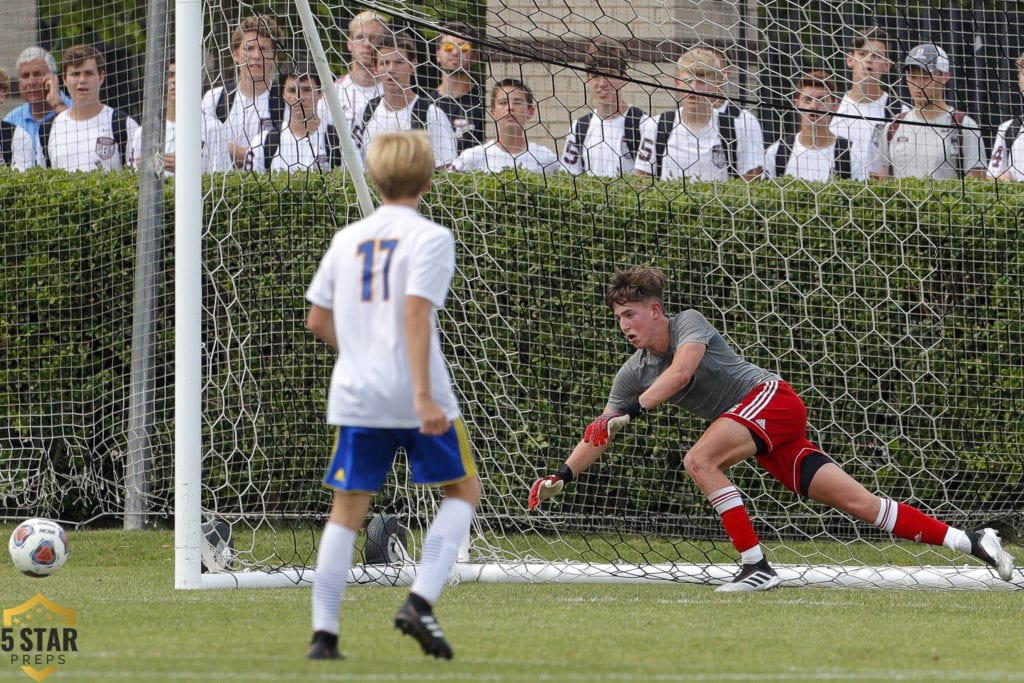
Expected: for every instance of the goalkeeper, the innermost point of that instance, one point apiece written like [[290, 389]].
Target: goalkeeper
[[682, 359]]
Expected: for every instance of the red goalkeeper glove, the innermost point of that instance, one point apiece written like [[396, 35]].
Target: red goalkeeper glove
[[548, 486], [603, 429]]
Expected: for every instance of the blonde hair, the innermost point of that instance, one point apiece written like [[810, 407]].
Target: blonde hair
[[400, 163], [264, 26], [366, 17], [5, 81], [700, 62]]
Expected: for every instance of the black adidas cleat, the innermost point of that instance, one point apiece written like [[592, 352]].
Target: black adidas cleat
[[752, 577], [422, 626], [324, 646], [987, 546]]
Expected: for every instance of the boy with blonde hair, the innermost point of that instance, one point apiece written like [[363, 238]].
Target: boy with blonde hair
[[374, 299], [360, 84], [699, 140]]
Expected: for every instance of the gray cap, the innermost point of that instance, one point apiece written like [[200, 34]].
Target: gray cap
[[929, 57]]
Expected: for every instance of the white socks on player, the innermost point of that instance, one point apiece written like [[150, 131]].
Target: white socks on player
[[957, 539], [333, 560], [441, 547]]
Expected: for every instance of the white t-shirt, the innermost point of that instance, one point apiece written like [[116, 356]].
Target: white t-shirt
[[438, 127], [604, 152], [369, 270], [88, 145], [249, 119], [353, 98], [932, 150], [861, 123], [809, 164], [490, 157], [1008, 156], [214, 155], [309, 152], [700, 154]]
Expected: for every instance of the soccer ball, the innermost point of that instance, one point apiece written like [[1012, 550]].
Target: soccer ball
[[38, 547]]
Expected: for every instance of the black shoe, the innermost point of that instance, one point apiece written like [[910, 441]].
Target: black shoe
[[987, 546], [752, 577], [324, 646], [421, 625]]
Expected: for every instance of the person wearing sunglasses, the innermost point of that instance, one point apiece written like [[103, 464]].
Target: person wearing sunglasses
[[458, 93]]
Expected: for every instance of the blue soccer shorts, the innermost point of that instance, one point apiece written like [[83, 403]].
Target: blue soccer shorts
[[363, 456]]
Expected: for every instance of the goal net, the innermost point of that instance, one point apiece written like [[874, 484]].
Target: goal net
[[893, 308]]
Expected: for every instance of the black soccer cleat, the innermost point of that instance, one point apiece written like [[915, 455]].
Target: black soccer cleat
[[752, 577], [987, 546], [421, 625], [324, 646]]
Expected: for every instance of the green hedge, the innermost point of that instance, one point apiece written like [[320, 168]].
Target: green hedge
[[896, 311]]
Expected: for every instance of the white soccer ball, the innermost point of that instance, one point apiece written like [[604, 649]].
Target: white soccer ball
[[38, 547]]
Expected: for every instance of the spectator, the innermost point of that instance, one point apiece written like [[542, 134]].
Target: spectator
[[305, 141], [402, 107], [867, 106], [89, 136], [697, 140], [6, 129], [512, 108], [814, 152], [605, 141], [458, 93], [360, 84], [39, 86], [214, 154], [1007, 162], [248, 107], [932, 139]]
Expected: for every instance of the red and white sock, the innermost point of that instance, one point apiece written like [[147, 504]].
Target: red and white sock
[[728, 503], [905, 521]]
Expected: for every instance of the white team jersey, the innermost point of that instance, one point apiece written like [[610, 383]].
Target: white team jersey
[[861, 123], [303, 154], [490, 157], [438, 126], [1007, 155], [700, 154], [214, 156], [604, 152], [809, 164], [353, 98], [87, 145], [247, 122], [369, 270], [933, 150]]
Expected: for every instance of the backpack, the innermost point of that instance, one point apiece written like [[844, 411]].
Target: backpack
[[118, 122], [419, 110], [958, 123], [840, 162], [6, 137], [632, 135], [333, 142], [726, 132]]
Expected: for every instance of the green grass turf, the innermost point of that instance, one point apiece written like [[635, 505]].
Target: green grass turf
[[133, 626]]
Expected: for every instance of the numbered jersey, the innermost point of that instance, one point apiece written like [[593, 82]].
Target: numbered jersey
[[365, 278]]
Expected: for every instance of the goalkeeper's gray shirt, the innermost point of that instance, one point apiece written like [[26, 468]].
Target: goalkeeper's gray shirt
[[721, 380]]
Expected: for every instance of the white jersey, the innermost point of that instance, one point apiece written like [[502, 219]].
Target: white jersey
[[490, 157], [862, 123], [1008, 155], [214, 155], [353, 98], [310, 152], [933, 150], [364, 279], [88, 145], [604, 151], [809, 164], [247, 122], [701, 154], [438, 127]]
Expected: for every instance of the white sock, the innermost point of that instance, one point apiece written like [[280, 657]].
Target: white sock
[[887, 513], [333, 560], [441, 547], [752, 555], [957, 539]]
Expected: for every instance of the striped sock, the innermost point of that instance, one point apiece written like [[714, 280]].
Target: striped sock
[[728, 503]]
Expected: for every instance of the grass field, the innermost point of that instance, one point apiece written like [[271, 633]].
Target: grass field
[[133, 626]]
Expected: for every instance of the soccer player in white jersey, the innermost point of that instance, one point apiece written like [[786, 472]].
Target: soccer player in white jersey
[[932, 139], [867, 106], [814, 152], [305, 141], [681, 359], [512, 108], [403, 106], [252, 105], [1007, 160], [87, 137], [214, 154], [360, 84], [696, 146], [374, 298], [611, 130]]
